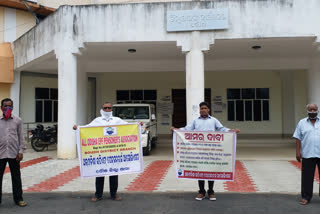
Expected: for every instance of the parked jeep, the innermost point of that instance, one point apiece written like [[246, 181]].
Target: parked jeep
[[144, 113]]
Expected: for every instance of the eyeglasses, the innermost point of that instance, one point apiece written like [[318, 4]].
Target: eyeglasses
[[107, 108]]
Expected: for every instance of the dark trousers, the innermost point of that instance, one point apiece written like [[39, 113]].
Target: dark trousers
[[307, 176], [15, 178], [201, 187], [113, 186]]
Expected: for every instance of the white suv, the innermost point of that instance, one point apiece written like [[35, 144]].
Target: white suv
[[144, 113]]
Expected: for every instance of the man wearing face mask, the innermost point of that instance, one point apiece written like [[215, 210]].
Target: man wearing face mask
[[206, 123], [11, 149], [307, 135], [106, 119]]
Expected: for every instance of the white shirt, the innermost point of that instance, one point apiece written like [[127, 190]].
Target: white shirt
[[102, 121]]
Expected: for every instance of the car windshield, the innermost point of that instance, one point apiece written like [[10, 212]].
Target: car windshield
[[131, 112]]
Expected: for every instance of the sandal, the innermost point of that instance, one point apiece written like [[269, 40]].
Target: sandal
[[303, 201], [116, 198], [21, 203], [95, 199]]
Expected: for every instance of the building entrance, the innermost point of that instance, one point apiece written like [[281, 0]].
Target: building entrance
[[179, 117]]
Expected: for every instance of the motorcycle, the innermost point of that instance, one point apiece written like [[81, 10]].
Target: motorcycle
[[41, 138]]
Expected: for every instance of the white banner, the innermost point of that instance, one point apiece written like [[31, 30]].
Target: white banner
[[204, 155]]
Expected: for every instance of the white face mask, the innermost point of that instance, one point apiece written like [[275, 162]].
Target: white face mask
[[105, 114]]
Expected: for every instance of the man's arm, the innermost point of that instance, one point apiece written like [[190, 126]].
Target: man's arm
[[220, 127], [93, 123], [298, 150], [22, 146], [298, 136], [188, 127]]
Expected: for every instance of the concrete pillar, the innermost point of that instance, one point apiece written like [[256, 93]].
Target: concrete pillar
[[15, 93], [194, 77], [67, 107], [288, 102], [313, 80], [82, 95]]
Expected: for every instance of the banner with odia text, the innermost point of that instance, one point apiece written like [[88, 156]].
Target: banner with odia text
[[109, 150], [204, 155]]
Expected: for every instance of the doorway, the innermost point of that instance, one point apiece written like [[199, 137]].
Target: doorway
[[179, 117]]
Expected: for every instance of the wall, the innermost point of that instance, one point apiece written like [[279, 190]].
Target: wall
[[1, 24], [220, 81], [163, 82], [217, 81], [57, 3], [300, 95], [27, 95], [13, 24], [25, 21], [4, 90], [70, 27], [30, 81]]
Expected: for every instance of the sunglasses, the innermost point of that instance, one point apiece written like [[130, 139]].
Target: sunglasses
[[107, 107]]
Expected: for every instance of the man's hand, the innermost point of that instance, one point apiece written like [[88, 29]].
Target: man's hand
[[75, 127], [19, 157], [172, 128], [236, 130], [298, 156]]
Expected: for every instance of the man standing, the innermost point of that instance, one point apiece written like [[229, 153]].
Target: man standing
[[106, 119], [11, 149], [307, 135], [206, 123]]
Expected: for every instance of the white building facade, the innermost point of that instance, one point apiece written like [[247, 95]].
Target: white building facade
[[258, 74]]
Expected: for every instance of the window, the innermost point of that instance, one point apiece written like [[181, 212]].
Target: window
[[137, 96], [248, 104], [46, 104], [132, 112]]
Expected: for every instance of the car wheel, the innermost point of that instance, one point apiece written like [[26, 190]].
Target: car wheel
[[147, 149], [154, 142]]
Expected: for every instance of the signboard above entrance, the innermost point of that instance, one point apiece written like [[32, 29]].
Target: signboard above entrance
[[194, 20]]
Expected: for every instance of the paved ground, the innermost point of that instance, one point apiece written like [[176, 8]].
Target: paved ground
[[160, 203], [267, 176]]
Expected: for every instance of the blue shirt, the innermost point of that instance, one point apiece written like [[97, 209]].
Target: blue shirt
[[309, 135], [205, 124]]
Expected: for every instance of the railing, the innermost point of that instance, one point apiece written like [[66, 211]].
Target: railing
[[32, 125]]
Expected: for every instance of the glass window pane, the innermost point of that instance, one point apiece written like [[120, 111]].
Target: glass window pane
[[47, 111], [42, 93], [123, 95], [136, 95], [53, 93], [262, 93], [257, 110], [233, 93], [248, 93], [239, 110], [55, 111], [39, 111], [248, 110], [265, 109], [131, 112], [231, 115], [150, 95]]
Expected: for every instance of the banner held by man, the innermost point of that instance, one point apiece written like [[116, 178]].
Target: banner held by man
[[204, 155], [109, 150]]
